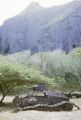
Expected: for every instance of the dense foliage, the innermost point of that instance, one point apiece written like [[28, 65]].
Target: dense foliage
[[15, 76], [59, 70]]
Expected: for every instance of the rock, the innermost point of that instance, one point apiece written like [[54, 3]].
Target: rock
[[43, 29]]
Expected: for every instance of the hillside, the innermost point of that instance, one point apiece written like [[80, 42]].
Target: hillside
[[58, 70], [43, 29]]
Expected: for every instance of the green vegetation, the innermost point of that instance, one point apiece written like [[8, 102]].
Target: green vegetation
[[22, 70], [15, 76]]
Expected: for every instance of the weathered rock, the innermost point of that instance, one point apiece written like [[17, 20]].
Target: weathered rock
[[43, 29]]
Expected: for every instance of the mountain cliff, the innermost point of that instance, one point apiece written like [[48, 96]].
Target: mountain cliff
[[43, 29]]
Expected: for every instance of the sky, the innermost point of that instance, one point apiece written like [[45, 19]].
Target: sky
[[10, 8]]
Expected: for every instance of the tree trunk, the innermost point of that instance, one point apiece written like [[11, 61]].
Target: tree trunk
[[1, 101], [3, 95], [4, 91]]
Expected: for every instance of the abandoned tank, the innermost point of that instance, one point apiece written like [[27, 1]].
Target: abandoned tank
[[39, 98]]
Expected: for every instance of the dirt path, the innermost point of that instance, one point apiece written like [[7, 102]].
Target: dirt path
[[36, 115]]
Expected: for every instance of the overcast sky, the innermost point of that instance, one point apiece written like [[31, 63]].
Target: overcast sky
[[9, 8]]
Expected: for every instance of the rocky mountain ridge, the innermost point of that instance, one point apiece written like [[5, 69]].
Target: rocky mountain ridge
[[43, 29]]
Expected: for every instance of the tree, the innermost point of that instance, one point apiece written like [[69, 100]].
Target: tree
[[71, 82], [8, 80]]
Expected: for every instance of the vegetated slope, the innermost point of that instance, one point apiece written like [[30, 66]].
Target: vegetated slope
[[58, 70], [28, 75], [43, 29]]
